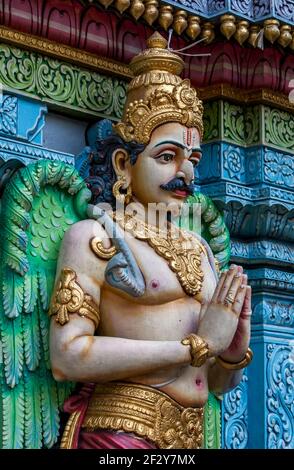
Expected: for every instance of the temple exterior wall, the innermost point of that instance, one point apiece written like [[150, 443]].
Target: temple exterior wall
[[63, 67]]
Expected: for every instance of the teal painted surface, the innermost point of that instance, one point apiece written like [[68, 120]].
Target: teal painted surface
[[252, 181], [253, 10]]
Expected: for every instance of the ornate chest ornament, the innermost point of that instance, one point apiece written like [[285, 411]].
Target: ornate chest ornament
[[179, 248]]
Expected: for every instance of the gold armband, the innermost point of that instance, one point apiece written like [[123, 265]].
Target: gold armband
[[69, 298], [198, 349], [236, 365]]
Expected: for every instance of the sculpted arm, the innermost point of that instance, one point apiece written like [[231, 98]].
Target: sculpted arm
[[77, 354]]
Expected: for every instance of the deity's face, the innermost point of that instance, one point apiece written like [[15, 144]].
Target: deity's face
[[165, 169]]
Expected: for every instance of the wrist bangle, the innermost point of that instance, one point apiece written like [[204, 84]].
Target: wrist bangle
[[236, 365], [198, 349]]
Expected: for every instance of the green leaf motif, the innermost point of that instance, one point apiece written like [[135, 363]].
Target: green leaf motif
[[33, 423], [49, 408], [211, 121], [252, 124], [12, 293], [32, 340], [62, 83], [13, 408], [279, 128], [12, 349], [234, 125], [212, 419]]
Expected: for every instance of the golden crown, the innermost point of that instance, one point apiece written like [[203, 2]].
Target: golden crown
[[157, 94]]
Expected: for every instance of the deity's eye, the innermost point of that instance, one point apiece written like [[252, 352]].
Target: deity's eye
[[165, 157], [195, 158], [194, 162]]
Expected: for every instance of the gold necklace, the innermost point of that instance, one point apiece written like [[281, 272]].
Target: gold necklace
[[179, 248]]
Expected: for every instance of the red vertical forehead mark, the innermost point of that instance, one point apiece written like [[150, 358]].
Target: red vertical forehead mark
[[189, 137]]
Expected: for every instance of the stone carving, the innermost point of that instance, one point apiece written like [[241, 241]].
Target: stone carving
[[264, 250], [280, 396], [274, 311], [233, 163], [235, 417], [279, 168], [8, 115], [279, 128], [60, 82]]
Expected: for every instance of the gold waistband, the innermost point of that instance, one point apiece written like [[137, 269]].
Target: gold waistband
[[146, 412]]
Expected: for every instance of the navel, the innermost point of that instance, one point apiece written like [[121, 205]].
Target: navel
[[155, 284], [199, 383]]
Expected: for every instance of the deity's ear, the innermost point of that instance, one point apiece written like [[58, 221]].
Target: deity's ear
[[122, 165]]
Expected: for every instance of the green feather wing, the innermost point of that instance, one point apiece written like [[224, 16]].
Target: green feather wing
[[39, 204], [212, 227]]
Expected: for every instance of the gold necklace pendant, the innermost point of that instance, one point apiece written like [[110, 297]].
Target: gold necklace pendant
[[179, 248]]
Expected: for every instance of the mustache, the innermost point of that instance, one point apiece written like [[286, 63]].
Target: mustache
[[178, 183]]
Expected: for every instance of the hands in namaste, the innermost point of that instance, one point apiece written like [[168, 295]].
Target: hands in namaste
[[225, 325]]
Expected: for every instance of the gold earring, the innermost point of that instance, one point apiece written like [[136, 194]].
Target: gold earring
[[123, 198]]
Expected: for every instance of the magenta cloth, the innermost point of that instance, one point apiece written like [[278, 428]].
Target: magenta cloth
[[112, 440], [79, 402]]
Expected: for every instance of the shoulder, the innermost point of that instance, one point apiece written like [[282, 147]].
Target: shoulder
[[85, 230], [76, 252]]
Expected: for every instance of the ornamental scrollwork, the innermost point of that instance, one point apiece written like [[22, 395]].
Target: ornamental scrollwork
[[234, 126], [274, 312], [8, 115], [233, 163], [252, 126], [62, 83], [235, 417], [261, 8], [280, 396], [285, 9], [242, 6], [279, 128], [211, 121], [279, 168]]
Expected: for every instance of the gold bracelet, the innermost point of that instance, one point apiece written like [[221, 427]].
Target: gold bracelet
[[198, 349], [236, 365]]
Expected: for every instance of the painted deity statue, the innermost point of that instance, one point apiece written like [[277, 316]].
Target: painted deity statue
[[140, 315]]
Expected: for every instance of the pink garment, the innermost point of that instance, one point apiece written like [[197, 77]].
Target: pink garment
[[112, 440]]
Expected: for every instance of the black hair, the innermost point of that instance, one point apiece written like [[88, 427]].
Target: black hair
[[101, 172]]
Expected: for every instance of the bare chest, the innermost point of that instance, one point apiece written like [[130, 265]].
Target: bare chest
[[164, 310], [167, 272]]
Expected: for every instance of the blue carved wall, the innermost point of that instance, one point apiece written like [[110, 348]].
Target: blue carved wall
[[22, 123], [255, 10], [254, 186]]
